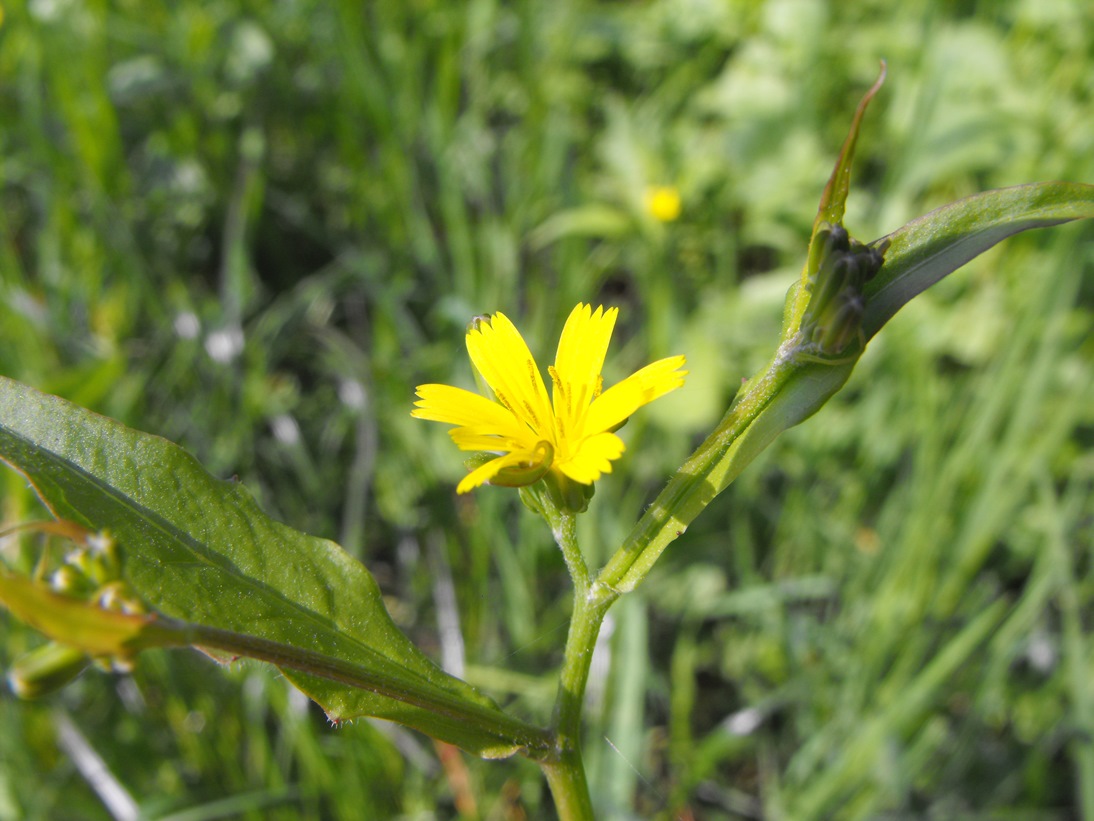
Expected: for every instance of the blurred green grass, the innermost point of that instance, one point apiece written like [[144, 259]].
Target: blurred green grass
[[254, 229]]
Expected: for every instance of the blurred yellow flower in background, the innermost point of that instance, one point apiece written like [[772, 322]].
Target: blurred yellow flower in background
[[663, 202]]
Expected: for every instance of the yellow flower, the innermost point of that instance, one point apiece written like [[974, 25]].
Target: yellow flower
[[663, 203], [571, 435]]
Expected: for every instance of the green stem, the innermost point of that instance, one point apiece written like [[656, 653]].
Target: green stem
[[566, 772], [566, 775], [564, 528], [691, 489], [588, 615], [566, 778]]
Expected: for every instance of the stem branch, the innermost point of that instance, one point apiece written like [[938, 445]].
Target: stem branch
[[564, 527], [691, 489]]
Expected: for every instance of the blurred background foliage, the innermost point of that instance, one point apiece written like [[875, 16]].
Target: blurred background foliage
[[254, 227]]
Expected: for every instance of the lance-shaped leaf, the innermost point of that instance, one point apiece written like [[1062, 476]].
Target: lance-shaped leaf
[[933, 246], [198, 550]]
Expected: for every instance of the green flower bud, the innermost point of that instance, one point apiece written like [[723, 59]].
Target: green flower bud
[[70, 581], [556, 492], [841, 267], [45, 670], [118, 597]]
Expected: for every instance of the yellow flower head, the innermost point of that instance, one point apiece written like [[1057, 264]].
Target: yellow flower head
[[532, 434], [663, 203]]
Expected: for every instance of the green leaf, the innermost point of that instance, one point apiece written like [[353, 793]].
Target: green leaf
[[829, 212], [834, 197], [198, 549], [933, 246]]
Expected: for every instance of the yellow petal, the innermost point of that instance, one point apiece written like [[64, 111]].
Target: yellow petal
[[489, 441], [483, 474], [638, 389], [580, 359], [502, 357], [527, 473], [444, 403], [594, 456]]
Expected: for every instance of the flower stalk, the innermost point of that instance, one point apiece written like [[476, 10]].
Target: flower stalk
[[566, 774]]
